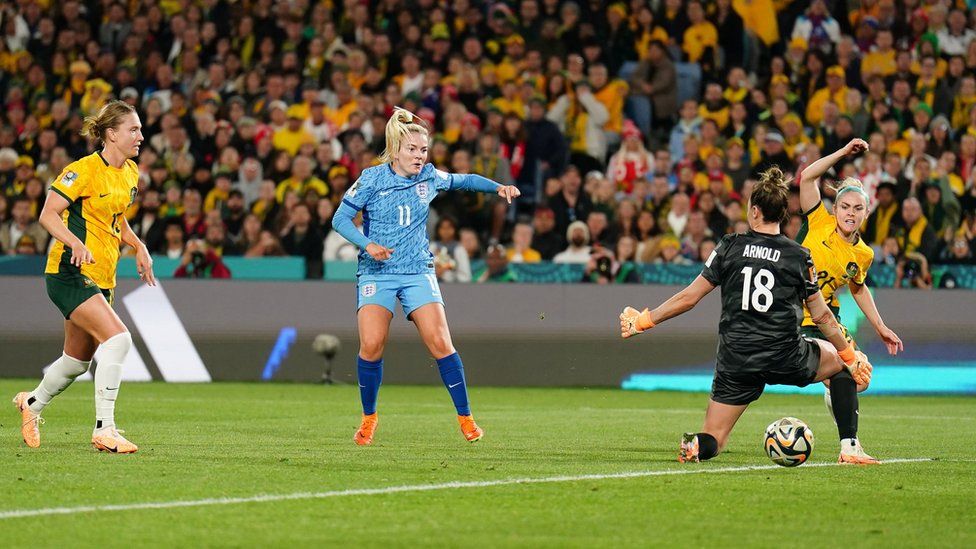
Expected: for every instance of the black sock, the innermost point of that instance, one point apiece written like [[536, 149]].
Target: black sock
[[843, 399], [707, 446]]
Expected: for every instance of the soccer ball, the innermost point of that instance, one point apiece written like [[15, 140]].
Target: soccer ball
[[788, 442]]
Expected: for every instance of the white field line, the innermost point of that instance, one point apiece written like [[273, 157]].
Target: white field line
[[691, 470]]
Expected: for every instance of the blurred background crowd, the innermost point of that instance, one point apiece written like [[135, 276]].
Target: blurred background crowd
[[635, 130]]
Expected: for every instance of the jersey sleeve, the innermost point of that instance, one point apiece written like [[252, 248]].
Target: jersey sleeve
[[809, 275], [360, 192], [819, 218], [866, 259], [71, 184], [443, 181], [712, 271]]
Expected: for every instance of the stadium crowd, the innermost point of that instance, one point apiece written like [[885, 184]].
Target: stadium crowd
[[635, 130]]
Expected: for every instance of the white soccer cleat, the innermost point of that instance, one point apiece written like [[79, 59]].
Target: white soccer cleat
[[852, 453]]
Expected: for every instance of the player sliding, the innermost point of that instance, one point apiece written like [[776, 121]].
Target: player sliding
[[765, 279], [395, 262], [840, 256], [85, 212]]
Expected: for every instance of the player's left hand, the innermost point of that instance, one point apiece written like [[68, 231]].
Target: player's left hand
[[891, 340], [508, 192], [144, 265]]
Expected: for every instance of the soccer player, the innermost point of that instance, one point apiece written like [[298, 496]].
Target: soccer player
[[765, 278], [85, 212], [840, 256], [395, 262]]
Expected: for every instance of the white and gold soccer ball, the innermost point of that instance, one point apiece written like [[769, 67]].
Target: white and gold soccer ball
[[788, 442]]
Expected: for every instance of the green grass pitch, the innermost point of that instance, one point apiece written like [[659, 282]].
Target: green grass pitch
[[208, 442]]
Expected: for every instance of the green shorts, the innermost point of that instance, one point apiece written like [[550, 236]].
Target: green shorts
[[68, 291]]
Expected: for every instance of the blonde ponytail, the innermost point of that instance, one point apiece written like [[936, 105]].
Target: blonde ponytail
[[400, 125]]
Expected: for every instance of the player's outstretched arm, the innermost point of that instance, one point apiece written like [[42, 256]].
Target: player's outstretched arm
[[865, 301], [342, 223], [633, 322], [475, 182], [809, 188], [856, 361]]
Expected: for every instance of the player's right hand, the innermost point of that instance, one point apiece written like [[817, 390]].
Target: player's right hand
[[81, 255], [631, 323], [856, 146], [377, 252]]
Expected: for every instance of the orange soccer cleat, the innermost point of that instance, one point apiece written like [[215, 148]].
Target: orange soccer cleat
[[470, 429], [29, 421], [111, 440], [364, 435], [688, 452]]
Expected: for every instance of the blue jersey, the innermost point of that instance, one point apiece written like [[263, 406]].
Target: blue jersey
[[395, 211]]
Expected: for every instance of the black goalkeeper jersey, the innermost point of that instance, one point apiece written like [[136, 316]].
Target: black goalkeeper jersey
[[765, 280]]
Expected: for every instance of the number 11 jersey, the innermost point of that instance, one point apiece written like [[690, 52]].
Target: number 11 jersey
[[765, 281]]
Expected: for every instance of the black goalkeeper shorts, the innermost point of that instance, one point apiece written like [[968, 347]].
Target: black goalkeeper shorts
[[739, 388]]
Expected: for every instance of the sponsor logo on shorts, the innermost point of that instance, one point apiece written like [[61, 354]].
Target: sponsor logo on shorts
[[368, 289]]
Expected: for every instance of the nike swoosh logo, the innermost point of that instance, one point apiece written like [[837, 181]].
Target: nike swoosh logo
[[109, 448], [455, 385], [362, 386], [102, 195], [384, 193], [824, 242]]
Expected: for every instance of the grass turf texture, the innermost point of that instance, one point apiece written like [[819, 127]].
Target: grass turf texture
[[241, 440]]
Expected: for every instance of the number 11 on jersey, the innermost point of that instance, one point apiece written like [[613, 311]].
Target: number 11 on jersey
[[404, 215]]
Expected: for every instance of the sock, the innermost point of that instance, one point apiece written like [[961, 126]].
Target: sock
[[370, 379], [848, 443], [707, 446], [843, 400], [452, 373], [108, 376], [61, 373]]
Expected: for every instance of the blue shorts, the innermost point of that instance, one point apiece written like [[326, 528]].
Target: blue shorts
[[413, 291]]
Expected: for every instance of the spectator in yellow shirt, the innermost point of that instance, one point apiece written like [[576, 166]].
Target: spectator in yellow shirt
[[611, 93], [836, 91], [301, 181], [521, 250], [291, 137], [881, 60], [700, 34]]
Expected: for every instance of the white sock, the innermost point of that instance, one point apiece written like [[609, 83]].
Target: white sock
[[848, 444], [60, 374], [108, 376]]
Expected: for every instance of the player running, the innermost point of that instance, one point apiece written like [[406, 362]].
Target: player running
[[395, 262], [85, 212], [839, 255], [766, 278]]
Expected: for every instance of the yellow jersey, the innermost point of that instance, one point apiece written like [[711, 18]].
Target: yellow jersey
[[99, 195], [837, 261]]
